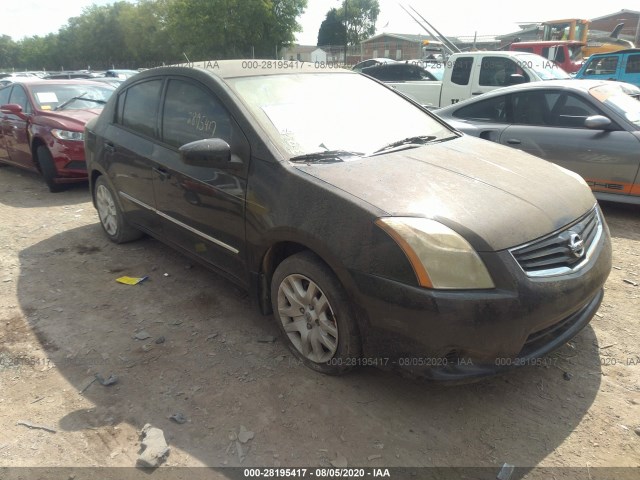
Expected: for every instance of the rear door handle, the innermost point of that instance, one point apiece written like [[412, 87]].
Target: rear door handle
[[109, 147], [162, 173], [476, 93], [514, 141]]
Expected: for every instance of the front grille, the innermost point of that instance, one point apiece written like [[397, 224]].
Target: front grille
[[561, 252]]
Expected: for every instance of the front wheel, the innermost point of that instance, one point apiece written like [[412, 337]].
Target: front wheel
[[111, 216], [48, 169], [314, 315]]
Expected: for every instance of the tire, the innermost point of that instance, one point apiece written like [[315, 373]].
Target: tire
[[111, 216], [314, 316], [48, 169]]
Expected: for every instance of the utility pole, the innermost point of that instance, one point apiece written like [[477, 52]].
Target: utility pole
[[346, 32]]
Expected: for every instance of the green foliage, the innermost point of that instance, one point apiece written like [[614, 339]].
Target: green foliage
[[361, 19], [332, 30], [155, 32]]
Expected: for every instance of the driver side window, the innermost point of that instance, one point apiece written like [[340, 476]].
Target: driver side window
[[19, 97]]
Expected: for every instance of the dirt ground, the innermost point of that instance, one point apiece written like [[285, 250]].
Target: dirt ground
[[64, 318]]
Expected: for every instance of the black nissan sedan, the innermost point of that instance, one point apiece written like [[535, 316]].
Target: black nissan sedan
[[374, 232]]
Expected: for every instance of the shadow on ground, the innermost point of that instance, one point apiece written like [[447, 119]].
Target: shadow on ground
[[35, 191], [218, 368]]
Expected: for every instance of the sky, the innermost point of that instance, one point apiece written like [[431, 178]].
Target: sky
[[489, 17]]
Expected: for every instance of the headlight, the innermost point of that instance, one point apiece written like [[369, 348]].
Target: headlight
[[67, 135], [440, 257]]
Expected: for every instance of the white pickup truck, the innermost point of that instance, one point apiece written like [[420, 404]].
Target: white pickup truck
[[465, 75]]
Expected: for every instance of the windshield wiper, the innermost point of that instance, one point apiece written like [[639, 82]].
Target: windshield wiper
[[409, 141], [325, 156], [79, 97]]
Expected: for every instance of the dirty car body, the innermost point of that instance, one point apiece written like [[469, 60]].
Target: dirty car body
[[375, 233]]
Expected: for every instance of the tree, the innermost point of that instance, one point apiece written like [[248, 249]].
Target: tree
[[8, 52], [148, 33], [361, 19], [332, 30], [216, 29]]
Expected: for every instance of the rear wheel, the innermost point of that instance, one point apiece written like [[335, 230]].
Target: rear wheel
[[48, 169], [314, 315], [111, 217]]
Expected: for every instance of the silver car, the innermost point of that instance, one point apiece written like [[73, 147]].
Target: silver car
[[591, 127]]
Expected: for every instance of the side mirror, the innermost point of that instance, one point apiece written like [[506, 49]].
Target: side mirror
[[210, 152], [516, 79], [12, 108], [597, 122]]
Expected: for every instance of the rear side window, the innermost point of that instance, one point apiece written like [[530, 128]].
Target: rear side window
[[191, 113], [462, 70], [491, 110], [633, 64], [137, 107]]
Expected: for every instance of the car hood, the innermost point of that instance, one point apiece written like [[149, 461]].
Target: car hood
[[70, 118], [497, 197]]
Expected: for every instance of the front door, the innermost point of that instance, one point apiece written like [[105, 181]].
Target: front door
[[202, 207]]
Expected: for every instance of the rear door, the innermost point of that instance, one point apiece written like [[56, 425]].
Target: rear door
[[202, 207], [550, 125], [128, 147]]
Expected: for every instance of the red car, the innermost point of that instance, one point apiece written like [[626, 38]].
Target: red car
[[42, 127]]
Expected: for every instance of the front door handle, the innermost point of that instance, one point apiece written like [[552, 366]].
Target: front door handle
[[514, 141], [476, 93], [109, 147], [162, 173]]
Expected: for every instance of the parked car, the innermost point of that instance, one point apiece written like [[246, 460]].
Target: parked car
[[370, 63], [589, 127], [68, 75], [434, 67], [623, 66], [42, 126], [375, 233], [9, 79], [468, 74], [113, 81], [124, 74]]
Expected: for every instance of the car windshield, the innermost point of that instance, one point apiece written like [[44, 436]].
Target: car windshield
[[545, 69], [308, 113], [52, 96], [623, 98]]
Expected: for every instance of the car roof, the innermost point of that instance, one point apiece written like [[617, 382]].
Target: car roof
[[250, 68], [73, 81], [569, 84], [547, 43], [617, 52]]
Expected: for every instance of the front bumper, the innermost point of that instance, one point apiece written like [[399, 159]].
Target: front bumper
[[458, 335], [69, 161]]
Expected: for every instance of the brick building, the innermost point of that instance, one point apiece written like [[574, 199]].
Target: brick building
[[631, 30]]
